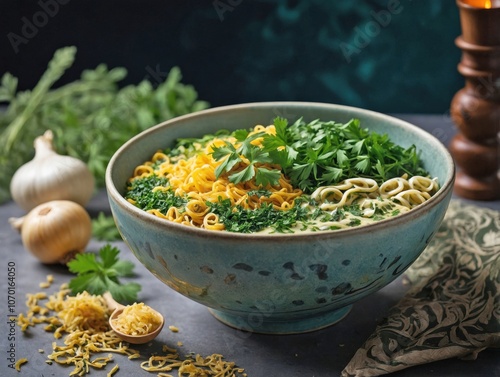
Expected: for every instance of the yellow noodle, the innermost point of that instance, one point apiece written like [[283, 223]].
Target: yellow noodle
[[194, 178], [412, 198], [333, 197], [137, 319], [83, 322], [143, 170], [393, 187], [211, 221], [20, 362], [423, 184]]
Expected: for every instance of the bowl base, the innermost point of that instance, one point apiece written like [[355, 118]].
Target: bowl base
[[268, 325]]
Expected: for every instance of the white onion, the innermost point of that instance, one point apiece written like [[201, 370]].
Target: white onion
[[55, 231]]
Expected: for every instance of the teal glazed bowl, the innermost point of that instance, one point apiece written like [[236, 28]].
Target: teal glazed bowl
[[277, 283]]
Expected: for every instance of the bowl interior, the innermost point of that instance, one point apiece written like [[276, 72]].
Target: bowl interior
[[435, 157]]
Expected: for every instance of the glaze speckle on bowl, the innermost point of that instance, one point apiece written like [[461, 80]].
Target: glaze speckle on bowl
[[277, 283]]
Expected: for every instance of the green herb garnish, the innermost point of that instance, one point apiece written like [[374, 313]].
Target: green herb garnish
[[310, 154], [242, 220], [231, 157], [141, 191], [316, 154], [98, 274]]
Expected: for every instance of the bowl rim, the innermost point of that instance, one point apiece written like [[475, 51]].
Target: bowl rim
[[114, 194]]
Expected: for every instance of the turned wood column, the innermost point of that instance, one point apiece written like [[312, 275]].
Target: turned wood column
[[475, 109]]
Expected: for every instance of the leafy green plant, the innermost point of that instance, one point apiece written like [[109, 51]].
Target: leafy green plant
[[97, 274], [90, 117], [104, 228]]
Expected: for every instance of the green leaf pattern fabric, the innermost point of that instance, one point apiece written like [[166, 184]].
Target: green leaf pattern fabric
[[452, 309]]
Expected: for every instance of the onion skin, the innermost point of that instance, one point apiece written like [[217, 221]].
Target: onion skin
[[55, 231]]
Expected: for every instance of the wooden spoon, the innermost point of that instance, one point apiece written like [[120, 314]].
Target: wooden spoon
[[117, 309]]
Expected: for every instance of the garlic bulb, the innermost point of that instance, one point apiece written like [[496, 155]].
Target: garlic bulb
[[55, 231], [50, 176]]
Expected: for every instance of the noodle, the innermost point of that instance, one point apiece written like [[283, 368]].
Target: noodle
[[191, 176], [137, 319], [88, 341], [195, 178], [82, 321]]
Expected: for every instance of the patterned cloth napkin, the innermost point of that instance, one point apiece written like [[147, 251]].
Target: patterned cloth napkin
[[453, 306]]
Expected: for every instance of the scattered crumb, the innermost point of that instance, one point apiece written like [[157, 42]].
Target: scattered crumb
[[166, 348], [173, 328], [58, 314], [113, 371], [48, 282], [20, 362]]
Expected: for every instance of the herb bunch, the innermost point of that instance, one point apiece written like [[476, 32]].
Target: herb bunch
[[316, 154], [90, 117]]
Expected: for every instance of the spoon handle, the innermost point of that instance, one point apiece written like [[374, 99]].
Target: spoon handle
[[110, 301]]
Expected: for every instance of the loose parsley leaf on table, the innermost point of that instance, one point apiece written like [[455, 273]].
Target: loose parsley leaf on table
[[98, 274]]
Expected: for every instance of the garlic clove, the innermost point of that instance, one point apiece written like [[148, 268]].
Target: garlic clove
[[50, 176], [55, 231]]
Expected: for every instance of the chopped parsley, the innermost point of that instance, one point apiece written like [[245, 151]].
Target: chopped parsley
[[242, 220], [140, 190]]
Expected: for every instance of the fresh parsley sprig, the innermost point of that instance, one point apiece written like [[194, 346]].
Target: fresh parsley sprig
[[255, 155], [329, 152], [315, 154], [97, 274]]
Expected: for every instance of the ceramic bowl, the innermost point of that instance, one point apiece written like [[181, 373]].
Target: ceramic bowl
[[277, 283]]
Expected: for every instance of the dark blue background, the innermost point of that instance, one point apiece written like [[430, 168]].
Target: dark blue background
[[386, 55]]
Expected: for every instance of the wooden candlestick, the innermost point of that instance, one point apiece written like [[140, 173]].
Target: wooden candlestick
[[475, 109]]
